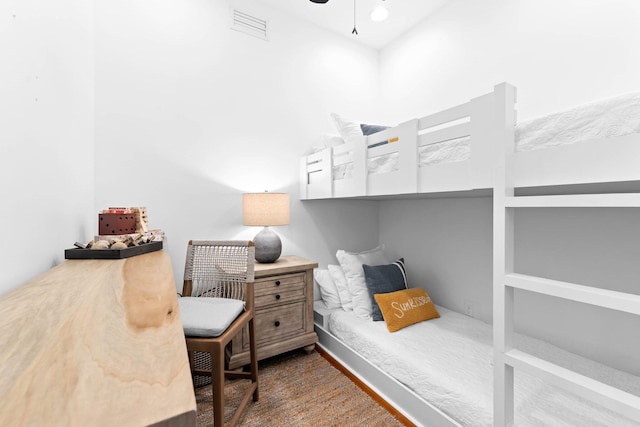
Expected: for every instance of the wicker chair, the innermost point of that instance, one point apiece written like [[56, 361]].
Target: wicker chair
[[222, 271]]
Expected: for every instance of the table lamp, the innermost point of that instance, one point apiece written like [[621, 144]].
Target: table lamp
[[266, 209]]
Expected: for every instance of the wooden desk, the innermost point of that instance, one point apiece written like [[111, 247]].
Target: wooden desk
[[96, 342]]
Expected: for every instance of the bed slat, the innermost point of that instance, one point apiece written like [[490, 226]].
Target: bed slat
[[446, 134], [343, 159], [318, 164], [404, 180], [342, 148], [315, 167], [351, 152], [382, 150], [390, 134], [615, 399], [621, 301], [317, 157], [612, 200], [454, 176], [454, 113]]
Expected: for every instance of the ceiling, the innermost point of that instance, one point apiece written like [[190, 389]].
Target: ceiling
[[337, 16]]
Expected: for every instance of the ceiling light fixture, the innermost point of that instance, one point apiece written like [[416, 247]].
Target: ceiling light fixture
[[319, 1], [380, 13]]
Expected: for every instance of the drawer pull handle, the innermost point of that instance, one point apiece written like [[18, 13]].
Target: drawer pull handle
[[277, 323], [277, 282], [277, 296]]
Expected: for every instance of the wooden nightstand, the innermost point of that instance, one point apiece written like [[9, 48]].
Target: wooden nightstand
[[284, 311]]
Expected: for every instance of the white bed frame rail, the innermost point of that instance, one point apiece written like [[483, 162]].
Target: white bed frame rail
[[413, 407], [610, 159], [402, 142], [473, 119], [506, 281], [315, 175], [597, 160], [349, 154]]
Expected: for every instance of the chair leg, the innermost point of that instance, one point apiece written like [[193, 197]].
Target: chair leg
[[191, 356], [253, 355], [217, 383]]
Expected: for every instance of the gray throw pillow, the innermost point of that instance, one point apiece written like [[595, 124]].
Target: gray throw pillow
[[382, 279], [371, 129]]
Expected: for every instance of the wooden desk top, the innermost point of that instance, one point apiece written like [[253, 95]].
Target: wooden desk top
[[95, 342]]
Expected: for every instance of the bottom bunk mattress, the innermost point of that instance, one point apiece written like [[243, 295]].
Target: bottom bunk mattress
[[448, 362]]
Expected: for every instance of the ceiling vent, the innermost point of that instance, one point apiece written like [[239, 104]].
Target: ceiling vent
[[248, 24]]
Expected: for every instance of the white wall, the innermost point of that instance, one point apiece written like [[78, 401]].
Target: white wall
[[558, 54], [190, 114], [46, 134]]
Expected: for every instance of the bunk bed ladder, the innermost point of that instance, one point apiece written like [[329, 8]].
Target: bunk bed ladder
[[506, 281]]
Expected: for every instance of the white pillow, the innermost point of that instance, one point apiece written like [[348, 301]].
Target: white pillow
[[316, 148], [340, 281], [331, 140], [328, 289], [351, 263], [349, 130]]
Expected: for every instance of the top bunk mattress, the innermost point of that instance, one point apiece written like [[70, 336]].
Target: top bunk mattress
[[612, 117], [448, 362]]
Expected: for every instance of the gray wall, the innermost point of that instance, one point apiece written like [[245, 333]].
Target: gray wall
[[447, 244]]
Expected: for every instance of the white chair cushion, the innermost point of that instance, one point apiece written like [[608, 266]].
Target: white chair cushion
[[208, 317]]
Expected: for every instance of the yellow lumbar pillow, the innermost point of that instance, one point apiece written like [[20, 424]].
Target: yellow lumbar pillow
[[406, 307]]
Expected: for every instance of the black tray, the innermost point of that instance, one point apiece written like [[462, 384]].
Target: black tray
[[77, 253]]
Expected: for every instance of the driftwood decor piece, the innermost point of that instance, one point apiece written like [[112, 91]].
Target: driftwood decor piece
[[96, 342]]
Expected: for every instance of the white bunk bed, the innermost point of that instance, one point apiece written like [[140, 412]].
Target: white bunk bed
[[494, 163], [507, 360], [453, 151]]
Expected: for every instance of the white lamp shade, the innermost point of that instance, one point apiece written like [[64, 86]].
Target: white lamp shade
[[265, 209]]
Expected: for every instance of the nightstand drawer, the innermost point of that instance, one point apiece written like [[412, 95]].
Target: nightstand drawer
[[279, 290], [275, 323]]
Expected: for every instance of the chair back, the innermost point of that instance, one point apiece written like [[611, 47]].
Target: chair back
[[220, 269]]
